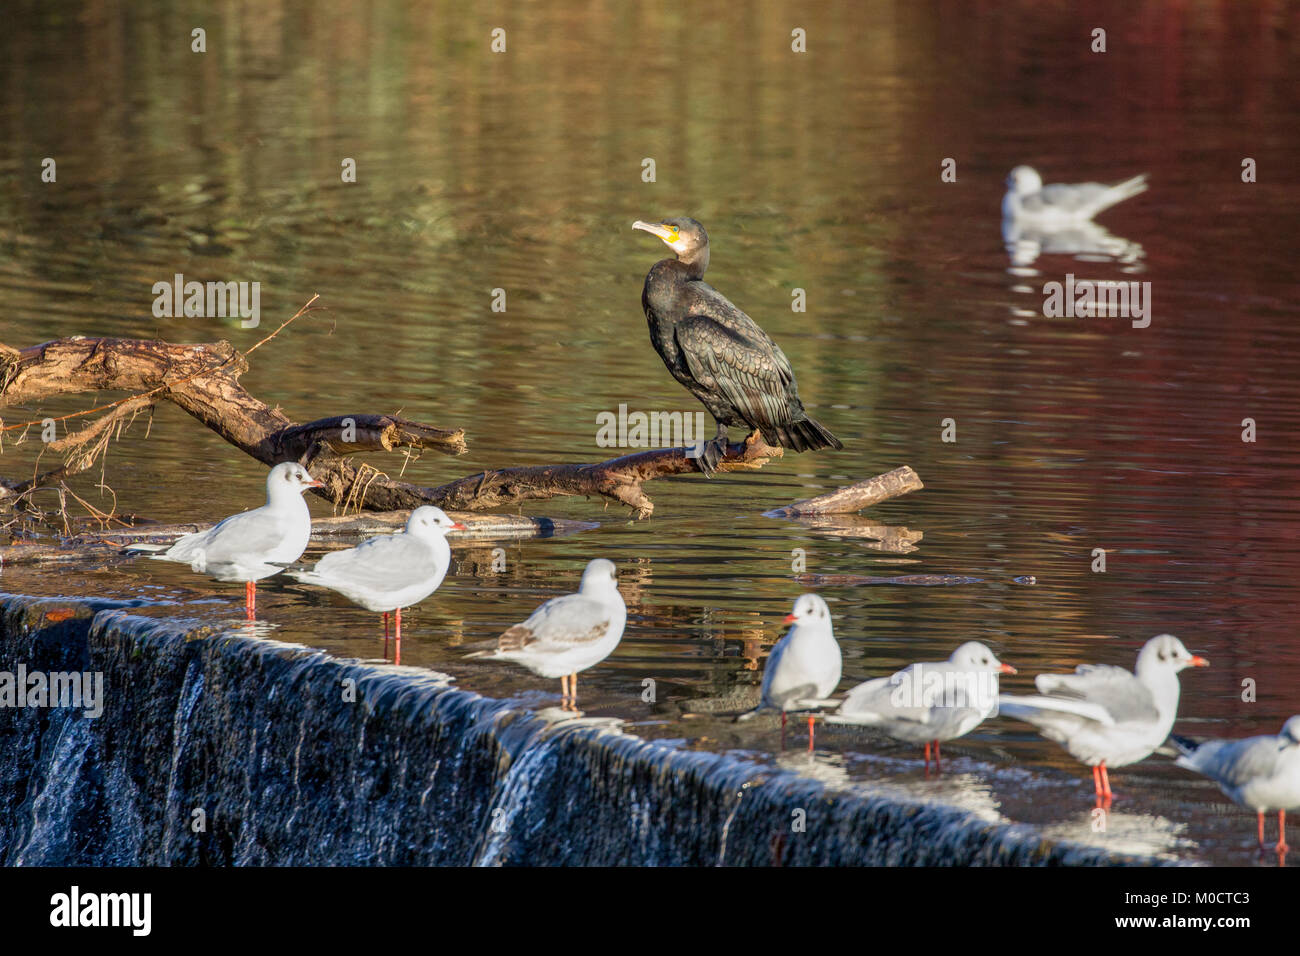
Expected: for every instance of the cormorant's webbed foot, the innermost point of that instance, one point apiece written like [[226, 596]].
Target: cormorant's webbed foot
[[710, 453]]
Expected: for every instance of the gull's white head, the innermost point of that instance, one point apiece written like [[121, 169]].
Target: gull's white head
[[600, 575], [1165, 652], [428, 521], [809, 609], [1291, 732], [289, 478], [1024, 180], [974, 656]]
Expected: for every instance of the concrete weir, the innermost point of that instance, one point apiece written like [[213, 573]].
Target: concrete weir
[[221, 748]]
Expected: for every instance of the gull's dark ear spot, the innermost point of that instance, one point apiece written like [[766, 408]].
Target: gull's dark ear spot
[[1162, 655]]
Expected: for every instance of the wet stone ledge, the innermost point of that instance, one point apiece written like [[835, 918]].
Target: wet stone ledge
[[258, 736]]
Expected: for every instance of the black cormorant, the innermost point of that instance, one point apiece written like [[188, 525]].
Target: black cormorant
[[718, 352]]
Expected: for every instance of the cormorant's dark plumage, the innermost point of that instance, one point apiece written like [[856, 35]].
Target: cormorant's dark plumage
[[718, 352]]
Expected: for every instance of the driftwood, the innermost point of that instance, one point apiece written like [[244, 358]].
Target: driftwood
[[854, 497], [203, 380]]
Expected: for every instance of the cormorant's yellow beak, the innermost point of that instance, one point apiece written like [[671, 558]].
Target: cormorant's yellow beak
[[668, 234]]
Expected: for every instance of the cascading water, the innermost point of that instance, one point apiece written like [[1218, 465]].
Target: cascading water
[[224, 747]]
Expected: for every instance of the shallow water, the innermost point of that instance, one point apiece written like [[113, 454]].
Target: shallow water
[[820, 172]]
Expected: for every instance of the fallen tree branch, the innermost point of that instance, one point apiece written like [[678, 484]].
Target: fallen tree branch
[[203, 380], [618, 479], [349, 434]]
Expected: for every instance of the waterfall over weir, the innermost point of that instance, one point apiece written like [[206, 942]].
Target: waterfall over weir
[[255, 739]]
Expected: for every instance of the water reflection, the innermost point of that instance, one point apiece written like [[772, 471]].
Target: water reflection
[[1085, 241]]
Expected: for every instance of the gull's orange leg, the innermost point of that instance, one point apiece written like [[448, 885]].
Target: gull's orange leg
[[810, 733], [936, 756], [1105, 783], [397, 637], [1281, 832], [250, 599], [1260, 814]]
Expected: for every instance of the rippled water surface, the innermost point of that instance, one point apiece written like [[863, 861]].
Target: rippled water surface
[[820, 172]]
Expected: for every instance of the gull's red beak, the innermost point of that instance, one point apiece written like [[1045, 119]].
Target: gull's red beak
[[1199, 661], [457, 526], [789, 619], [1007, 669], [315, 484]]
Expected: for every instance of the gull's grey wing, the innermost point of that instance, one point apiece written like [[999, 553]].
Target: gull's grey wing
[[896, 700], [1070, 198], [1114, 689], [561, 623], [249, 532], [800, 692], [877, 697], [381, 563], [1234, 763]]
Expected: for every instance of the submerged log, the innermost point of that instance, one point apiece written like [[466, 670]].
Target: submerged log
[[340, 531]]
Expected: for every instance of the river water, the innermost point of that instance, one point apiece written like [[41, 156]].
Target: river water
[[819, 171]]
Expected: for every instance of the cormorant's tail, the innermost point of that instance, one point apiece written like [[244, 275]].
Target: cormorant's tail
[[804, 435]]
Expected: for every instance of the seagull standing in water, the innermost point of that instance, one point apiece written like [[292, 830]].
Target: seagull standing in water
[[391, 571], [1104, 715], [805, 666], [1259, 773], [1028, 202], [569, 634], [253, 544], [928, 703]]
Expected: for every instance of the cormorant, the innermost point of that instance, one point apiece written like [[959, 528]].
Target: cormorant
[[718, 352]]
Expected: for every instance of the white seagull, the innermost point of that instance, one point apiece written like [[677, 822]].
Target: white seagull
[[1060, 204], [391, 571], [1259, 773], [929, 702], [805, 666], [570, 633], [253, 544], [1103, 714]]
